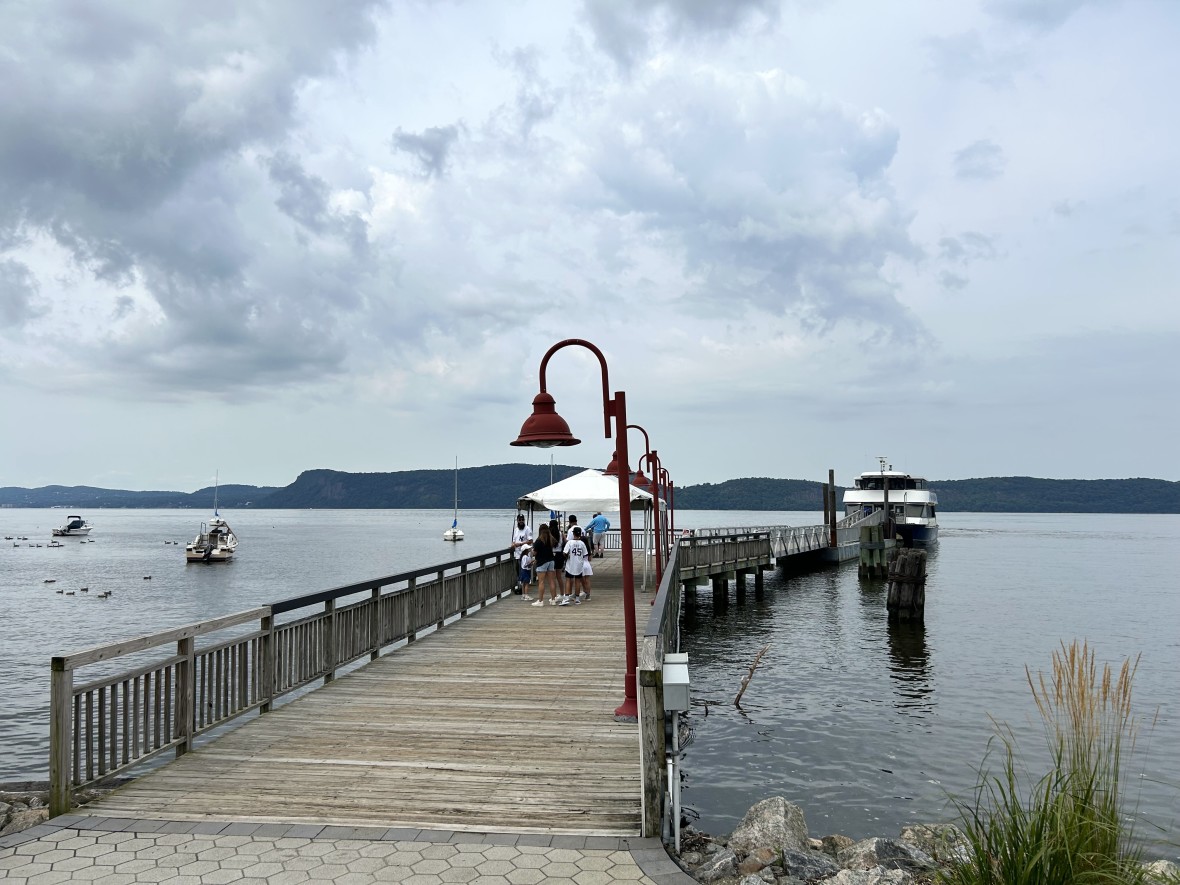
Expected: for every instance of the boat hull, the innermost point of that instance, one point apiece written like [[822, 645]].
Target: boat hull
[[918, 535], [69, 533]]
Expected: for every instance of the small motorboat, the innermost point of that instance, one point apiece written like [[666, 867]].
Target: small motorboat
[[74, 525], [216, 542]]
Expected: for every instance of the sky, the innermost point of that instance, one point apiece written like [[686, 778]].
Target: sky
[[250, 239]]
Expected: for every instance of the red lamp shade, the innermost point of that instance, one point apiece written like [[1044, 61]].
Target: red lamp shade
[[545, 428], [612, 469], [640, 481]]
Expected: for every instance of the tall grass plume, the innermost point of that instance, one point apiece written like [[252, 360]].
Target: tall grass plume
[[1069, 825]]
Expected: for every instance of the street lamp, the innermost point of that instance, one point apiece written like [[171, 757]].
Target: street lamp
[[670, 498], [641, 481], [545, 428]]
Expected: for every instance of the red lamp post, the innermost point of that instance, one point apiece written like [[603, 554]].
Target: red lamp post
[[670, 498], [653, 464], [545, 428]]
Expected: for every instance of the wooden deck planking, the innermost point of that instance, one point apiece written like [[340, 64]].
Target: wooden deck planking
[[501, 722]]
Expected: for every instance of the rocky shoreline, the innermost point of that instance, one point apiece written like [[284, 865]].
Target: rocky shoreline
[[771, 846]]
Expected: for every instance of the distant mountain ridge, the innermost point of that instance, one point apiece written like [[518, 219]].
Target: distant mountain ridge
[[498, 487]]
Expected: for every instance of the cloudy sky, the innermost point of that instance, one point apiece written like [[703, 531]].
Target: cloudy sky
[[260, 237]]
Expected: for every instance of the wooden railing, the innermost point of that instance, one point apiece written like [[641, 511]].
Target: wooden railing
[[662, 635], [120, 719]]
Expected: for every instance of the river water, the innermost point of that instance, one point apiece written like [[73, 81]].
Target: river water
[[867, 726]]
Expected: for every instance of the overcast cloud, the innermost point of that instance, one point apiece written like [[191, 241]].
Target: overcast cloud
[[264, 237]]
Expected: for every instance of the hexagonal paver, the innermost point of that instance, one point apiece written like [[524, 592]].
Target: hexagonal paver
[[594, 863], [289, 877], [495, 868], [501, 852], [526, 876], [221, 877], [439, 851], [379, 849], [365, 864], [531, 861], [53, 877], [459, 874], [626, 873], [593, 877], [560, 870], [563, 855], [466, 859], [433, 865]]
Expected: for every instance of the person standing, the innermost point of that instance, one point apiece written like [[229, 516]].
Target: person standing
[[558, 555], [543, 557], [522, 535], [596, 529], [576, 555]]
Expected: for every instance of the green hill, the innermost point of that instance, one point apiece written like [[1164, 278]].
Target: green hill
[[498, 486]]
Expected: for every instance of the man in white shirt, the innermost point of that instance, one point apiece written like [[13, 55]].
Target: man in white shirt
[[522, 535], [576, 555]]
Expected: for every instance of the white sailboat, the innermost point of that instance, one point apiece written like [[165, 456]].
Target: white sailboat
[[454, 533]]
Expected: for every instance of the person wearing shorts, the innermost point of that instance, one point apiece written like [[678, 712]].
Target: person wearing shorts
[[576, 556], [546, 568]]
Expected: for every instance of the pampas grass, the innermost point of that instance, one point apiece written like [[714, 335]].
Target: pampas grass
[[1068, 826]]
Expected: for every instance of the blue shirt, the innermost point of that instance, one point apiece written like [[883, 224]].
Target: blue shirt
[[598, 524]]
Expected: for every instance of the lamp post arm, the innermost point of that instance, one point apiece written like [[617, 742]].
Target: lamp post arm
[[646, 438], [607, 405]]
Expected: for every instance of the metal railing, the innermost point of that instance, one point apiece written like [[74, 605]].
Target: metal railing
[[120, 719]]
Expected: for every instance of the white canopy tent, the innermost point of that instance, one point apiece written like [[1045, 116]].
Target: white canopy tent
[[591, 492], [587, 492]]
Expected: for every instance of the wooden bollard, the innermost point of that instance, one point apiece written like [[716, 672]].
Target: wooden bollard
[[873, 552], [907, 586]]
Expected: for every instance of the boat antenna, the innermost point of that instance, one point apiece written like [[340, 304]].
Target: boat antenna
[[216, 474]]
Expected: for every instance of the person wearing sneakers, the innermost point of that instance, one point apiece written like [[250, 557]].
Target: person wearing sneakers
[[526, 571], [522, 534], [543, 559], [576, 555]]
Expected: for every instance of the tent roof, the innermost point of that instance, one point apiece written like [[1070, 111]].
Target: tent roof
[[588, 492]]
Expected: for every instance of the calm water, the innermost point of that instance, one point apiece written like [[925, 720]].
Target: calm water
[[866, 726], [869, 726]]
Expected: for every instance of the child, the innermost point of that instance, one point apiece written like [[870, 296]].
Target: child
[[576, 556], [526, 572]]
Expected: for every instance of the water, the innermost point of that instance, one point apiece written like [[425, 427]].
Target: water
[[866, 726], [869, 726]]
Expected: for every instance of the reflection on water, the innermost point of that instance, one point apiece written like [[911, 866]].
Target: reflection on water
[[909, 667]]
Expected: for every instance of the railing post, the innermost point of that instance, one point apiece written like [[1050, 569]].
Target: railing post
[[411, 635], [61, 737], [266, 663], [329, 641], [186, 685], [375, 623], [651, 732]]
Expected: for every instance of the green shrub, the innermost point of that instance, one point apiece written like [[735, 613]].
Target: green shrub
[[1068, 826]]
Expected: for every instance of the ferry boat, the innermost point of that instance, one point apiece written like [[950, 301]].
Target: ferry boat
[[911, 504]]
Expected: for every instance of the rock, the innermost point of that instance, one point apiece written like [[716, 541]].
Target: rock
[[892, 854], [836, 843], [752, 880], [690, 858], [36, 802], [4, 809], [816, 844], [1162, 870], [875, 876], [23, 820], [808, 865], [717, 866], [772, 823], [945, 843]]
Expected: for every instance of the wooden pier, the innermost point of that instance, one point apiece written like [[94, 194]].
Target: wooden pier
[[443, 701], [500, 722]]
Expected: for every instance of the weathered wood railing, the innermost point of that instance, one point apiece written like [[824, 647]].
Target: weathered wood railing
[[709, 553], [662, 635], [120, 719]]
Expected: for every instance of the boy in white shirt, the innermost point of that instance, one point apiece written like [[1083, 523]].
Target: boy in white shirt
[[576, 555]]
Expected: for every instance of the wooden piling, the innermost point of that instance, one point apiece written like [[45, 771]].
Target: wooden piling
[[906, 600], [874, 552]]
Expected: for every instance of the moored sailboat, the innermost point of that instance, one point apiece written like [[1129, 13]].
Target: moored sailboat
[[454, 533]]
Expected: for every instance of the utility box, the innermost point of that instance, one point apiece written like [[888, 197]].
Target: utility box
[[676, 681]]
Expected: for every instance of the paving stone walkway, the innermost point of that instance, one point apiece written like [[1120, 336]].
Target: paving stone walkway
[[111, 851]]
